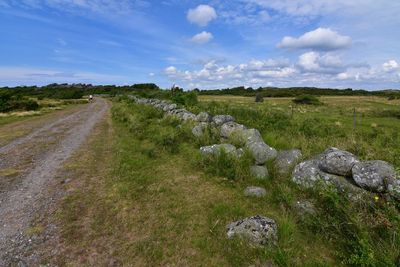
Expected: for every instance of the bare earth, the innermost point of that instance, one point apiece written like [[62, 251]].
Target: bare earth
[[28, 166]]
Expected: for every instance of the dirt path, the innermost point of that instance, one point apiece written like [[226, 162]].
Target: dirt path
[[33, 161]]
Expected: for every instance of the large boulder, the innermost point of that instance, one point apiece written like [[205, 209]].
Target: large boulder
[[374, 175], [258, 230], [231, 129], [336, 161], [306, 173], [260, 172], [204, 117], [217, 149], [255, 191], [221, 119], [286, 159], [261, 152]]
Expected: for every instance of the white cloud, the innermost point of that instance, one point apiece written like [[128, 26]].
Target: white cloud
[[202, 38], [316, 63], [320, 39], [171, 70], [391, 65], [201, 15]]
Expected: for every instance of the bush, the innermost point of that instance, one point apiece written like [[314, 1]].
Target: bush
[[8, 102], [259, 98], [307, 100]]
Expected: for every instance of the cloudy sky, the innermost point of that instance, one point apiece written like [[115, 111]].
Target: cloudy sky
[[203, 44]]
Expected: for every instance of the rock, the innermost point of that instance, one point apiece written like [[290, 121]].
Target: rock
[[307, 174], [394, 189], [251, 135], [170, 107], [188, 116], [221, 119], [216, 149], [260, 172], [255, 191], [232, 129], [240, 152], [286, 159], [258, 230], [336, 161], [374, 175], [198, 130], [204, 117], [261, 152], [304, 207]]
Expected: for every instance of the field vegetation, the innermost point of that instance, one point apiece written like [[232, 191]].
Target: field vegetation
[[161, 204]]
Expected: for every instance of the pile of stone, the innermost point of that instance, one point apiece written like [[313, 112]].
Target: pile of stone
[[347, 173], [334, 167]]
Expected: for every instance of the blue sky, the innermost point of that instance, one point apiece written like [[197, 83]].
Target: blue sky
[[203, 44]]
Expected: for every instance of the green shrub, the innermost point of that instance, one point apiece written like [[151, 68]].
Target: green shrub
[[307, 100]]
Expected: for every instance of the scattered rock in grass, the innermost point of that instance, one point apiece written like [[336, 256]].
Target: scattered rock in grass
[[232, 128], [170, 107], [221, 119], [240, 152], [286, 159], [204, 117], [198, 130], [260, 172], [304, 207], [374, 175], [261, 152], [336, 161], [255, 191], [258, 230], [217, 149], [394, 189]]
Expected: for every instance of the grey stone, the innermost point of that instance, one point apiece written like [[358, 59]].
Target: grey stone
[[260, 172], [255, 191], [336, 161], [251, 135], [204, 117], [216, 149], [258, 230], [240, 152], [394, 188], [374, 175], [304, 207], [261, 152], [198, 130], [170, 107], [232, 128], [188, 116], [286, 159], [221, 119]]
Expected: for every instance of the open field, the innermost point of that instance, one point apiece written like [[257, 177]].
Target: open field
[[139, 194]]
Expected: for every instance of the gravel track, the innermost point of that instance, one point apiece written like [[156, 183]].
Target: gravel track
[[38, 155]]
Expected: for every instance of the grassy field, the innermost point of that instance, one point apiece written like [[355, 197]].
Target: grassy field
[[144, 197]]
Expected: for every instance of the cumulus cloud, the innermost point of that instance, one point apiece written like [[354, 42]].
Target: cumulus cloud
[[323, 39], [171, 70], [201, 15], [202, 38], [316, 63], [391, 65]]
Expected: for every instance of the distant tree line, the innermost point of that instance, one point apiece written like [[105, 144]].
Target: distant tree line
[[297, 91]]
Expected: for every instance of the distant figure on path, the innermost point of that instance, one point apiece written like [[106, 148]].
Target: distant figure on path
[[90, 98]]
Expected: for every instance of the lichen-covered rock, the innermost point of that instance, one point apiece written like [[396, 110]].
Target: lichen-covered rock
[[286, 159], [188, 116], [240, 152], [258, 230], [221, 119], [231, 129], [198, 130], [204, 117], [304, 207], [255, 191], [336, 161], [251, 135], [261, 152], [260, 172], [217, 149], [170, 107], [374, 175], [394, 188]]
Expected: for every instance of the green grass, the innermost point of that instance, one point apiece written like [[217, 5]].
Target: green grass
[[157, 203]]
